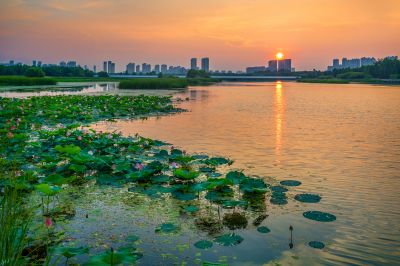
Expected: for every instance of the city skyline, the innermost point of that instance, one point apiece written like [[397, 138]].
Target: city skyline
[[310, 32]]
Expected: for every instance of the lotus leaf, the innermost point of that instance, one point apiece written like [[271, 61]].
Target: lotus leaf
[[319, 216], [229, 240], [308, 198], [203, 244]]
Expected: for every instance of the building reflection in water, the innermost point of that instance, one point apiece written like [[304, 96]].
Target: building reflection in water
[[279, 109]]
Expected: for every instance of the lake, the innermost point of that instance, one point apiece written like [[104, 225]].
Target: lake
[[341, 141]]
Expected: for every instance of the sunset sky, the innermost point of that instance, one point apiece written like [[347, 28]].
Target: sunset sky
[[233, 33]]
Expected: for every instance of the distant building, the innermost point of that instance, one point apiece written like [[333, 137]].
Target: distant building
[[109, 67], [193, 63], [252, 70], [71, 64], [138, 69], [105, 69], [272, 65], [130, 68], [94, 68], [63, 64], [112, 70], [34, 63], [351, 63], [146, 68], [157, 68], [164, 68], [285, 65], [205, 64], [39, 63], [393, 57]]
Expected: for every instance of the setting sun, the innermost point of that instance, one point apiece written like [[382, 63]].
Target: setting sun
[[279, 55]]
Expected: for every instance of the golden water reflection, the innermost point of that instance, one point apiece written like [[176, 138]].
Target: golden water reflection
[[279, 109]]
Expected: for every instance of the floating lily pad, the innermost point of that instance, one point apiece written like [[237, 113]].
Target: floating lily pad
[[319, 216], [278, 201], [203, 244], [183, 195], [70, 252], [190, 208], [185, 174], [217, 161], [235, 177], [229, 240], [199, 156], [316, 244], [207, 169], [308, 198], [132, 238], [279, 189], [167, 228], [207, 263], [290, 183], [253, 185], [263, 229]]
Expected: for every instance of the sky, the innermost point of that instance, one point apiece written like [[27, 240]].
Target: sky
[[234, 34]]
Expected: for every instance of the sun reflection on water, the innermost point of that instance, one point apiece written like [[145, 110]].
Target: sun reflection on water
[[279, 108]]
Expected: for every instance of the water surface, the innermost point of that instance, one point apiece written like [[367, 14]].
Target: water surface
[[340, 141]]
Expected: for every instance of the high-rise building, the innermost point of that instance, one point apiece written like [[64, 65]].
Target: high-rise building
[[105, 66], [285, 65], [367, 61], [252, 70], [94, 68], [345, 62], [112, 71], [193, 63], [157, 68], [138, 69], [164, 68], [34, 63], [39, 63], [272, 65], [335, 63], [130, 68], [71, 64], [146, 68], [63, 64], [205, 64], [109, 67]]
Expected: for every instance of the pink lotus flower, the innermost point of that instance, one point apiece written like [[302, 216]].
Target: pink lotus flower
[[174, 165], [109, 136], [10, 135], [79, 138], [113, 167], [48, 222], [138, 166]]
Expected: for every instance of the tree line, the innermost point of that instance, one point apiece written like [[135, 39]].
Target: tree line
[[52, 71]]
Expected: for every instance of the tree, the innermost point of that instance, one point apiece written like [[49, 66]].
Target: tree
[[102, 74], [34, 72], [192, 73]]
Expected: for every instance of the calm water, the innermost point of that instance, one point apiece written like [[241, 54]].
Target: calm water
[[340, 141]]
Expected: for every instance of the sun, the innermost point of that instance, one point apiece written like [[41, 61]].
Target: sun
[[279, 55]]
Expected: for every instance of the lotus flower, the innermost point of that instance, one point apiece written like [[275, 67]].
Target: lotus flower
[[48, 222], [109, 136], [90, 152], [174, 165], [68, 133], [138, 166], [113, 167], [10, 135], [79, 138]]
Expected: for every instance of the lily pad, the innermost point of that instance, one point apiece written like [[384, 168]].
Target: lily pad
[[316, 244], [185, 174], [263, 229], [203, 244], [235, 177], [319, 216], [191, 208], [167, 228], [290, 183], [70, 252], [279, 189], [278, 201], [308, 198], [229, 240]]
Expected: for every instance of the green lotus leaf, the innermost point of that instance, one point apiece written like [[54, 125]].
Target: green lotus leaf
[[316, 244], [263, 229], [70, 252], [185, 174], [229, 240], [215, 161], [319, 216], [290, 183], [235, 177], [47, 189], [203, 244], [253, 185], [308, 198], [68, 149], [279, 189], [190, 208], [167, 228]]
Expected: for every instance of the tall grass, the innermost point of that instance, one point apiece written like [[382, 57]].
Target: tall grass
[[14, 221], [25, 81]]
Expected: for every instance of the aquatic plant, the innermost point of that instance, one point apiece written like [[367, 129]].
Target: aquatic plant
[[153, 83], [319, 216], [308, 198], [263, 229], [316, 244], [203, 244], [229, 240]]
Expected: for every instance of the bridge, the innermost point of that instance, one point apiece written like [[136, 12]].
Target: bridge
[[221, 77]]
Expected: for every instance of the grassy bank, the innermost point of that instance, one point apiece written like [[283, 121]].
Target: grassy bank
[[331, 81], [25, 81], [164, 83]]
